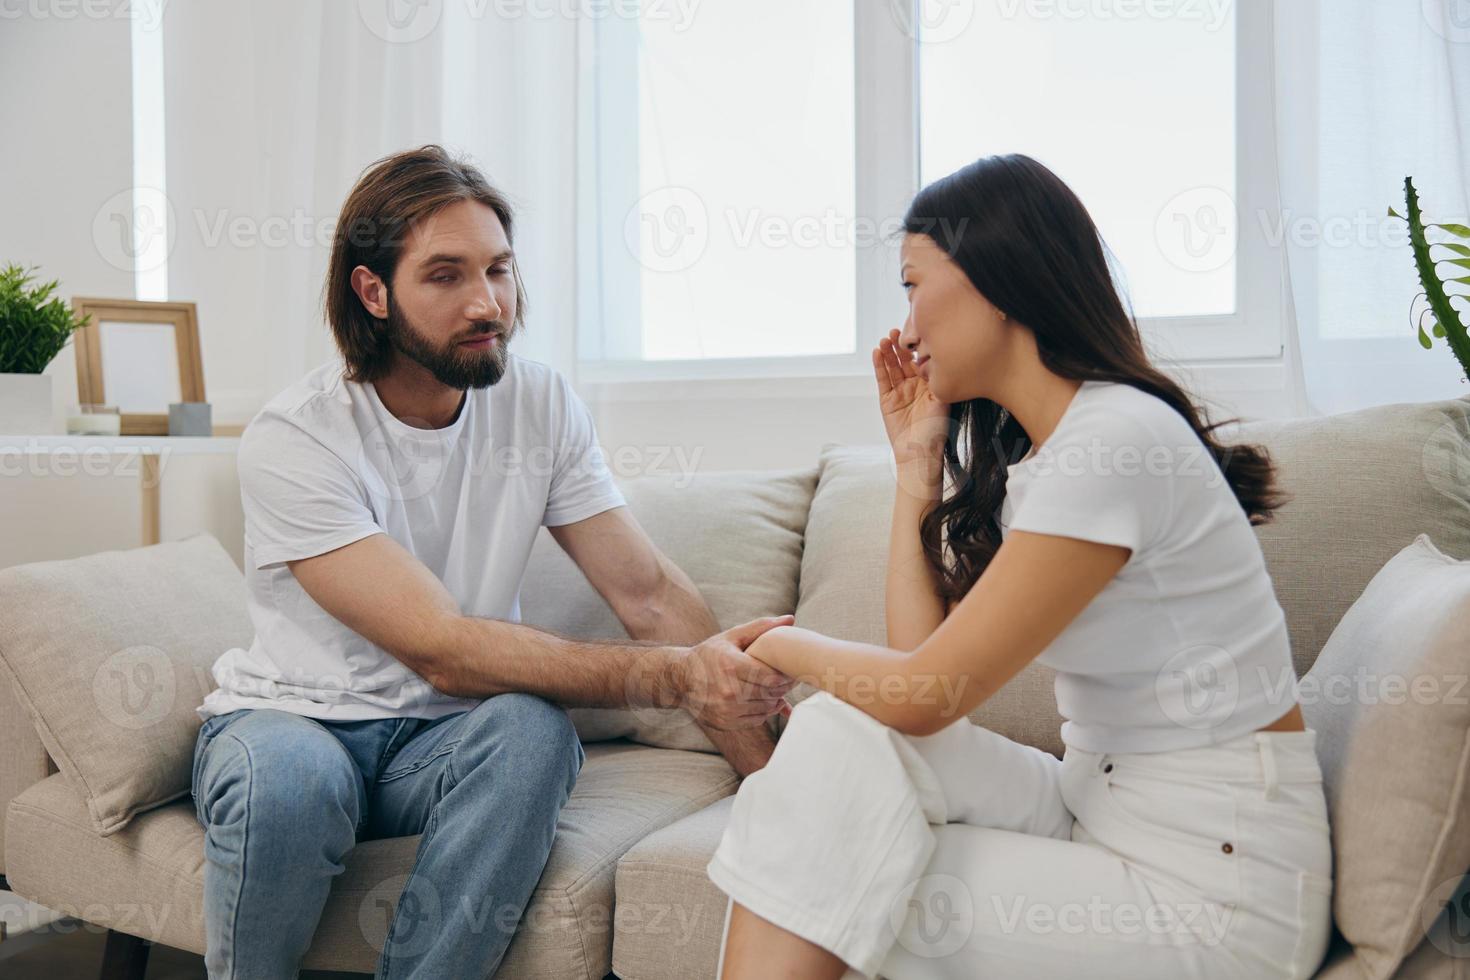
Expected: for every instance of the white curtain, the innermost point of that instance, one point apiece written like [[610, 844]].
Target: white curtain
[[273, 109], [1367, 93]]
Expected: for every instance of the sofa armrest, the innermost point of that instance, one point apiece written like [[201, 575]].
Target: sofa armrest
[[23, 759]]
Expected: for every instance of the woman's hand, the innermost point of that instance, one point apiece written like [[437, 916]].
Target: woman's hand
[[757, 648], [916, 421]]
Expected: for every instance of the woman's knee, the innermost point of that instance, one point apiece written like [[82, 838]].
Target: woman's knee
[[823, 727], [825, 711]]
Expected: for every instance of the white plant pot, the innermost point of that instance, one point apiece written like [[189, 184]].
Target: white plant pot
[[25, 404]]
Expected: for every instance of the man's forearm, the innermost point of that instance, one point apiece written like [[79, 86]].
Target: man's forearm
[[680, 615], [747, 750], [479, 658]]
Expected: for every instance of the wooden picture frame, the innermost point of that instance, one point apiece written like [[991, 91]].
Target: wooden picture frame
[[143, 388]]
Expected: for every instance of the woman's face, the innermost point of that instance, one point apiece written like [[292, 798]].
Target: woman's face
[[959, 341]]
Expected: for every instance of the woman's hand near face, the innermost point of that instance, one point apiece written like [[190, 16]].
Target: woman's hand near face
[[916, 421], [918, 425]]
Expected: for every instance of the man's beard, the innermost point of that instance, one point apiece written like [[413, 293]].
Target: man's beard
[[452, 365]]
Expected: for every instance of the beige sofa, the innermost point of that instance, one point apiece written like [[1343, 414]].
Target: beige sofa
[[625, 890]]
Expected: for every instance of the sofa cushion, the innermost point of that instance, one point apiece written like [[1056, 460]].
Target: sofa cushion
[[1445, 952], [1427, 962], [671, 917], [1388, 696], [23, 759], [1363, 485], [148, 879], [842, 581], [110, 654], [1443, 955], [738, 536]]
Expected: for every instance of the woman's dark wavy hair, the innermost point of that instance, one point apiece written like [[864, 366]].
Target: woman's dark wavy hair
[[1029, 246]]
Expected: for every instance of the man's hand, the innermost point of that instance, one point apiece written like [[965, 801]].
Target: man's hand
[[655, 600], [724, 687]]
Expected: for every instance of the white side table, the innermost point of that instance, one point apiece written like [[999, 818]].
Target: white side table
[[103, 452]]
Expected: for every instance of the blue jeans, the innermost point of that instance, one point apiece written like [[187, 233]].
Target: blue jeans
[[283, 798]]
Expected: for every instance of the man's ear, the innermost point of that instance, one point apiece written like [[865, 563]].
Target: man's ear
[[371, 291]]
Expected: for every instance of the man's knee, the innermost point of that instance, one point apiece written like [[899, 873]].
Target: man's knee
[[278, 774], [525, 733]]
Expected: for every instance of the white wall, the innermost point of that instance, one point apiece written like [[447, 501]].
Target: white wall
[[68, 149], [68, 115]]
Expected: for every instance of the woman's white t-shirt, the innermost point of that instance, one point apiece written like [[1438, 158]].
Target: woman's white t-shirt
[[325, 464], [1187, 645]]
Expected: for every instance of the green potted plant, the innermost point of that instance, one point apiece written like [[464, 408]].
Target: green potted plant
[[1444, 318], [34, 327]]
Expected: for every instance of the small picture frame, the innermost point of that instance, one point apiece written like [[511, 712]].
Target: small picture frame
[[140, 356]]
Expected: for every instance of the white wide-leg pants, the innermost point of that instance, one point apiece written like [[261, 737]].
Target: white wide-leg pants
[[964, 854]]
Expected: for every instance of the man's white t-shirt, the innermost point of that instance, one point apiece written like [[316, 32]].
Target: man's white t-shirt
[[324, 464], [1187, 645]]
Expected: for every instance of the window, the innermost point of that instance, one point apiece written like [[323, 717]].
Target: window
[[148, 226], [743, 171], [1128, 142], [722, 186]]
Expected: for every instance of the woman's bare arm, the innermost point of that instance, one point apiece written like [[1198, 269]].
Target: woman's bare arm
[[1034, 586], [911, 594]]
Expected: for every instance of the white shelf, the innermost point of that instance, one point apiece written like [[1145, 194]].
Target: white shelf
[[150, 445], [51, 455]]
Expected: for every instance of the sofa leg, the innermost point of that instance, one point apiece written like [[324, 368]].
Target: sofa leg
[[125, 957]]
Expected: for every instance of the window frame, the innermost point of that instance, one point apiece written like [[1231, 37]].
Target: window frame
[[886, 89]]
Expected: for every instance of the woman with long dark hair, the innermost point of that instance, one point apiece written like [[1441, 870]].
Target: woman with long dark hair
[[1058, 499]]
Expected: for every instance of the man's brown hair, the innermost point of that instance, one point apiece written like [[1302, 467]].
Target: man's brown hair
[[389, 198]]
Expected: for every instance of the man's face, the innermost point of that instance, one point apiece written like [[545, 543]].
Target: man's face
[[452, 303]]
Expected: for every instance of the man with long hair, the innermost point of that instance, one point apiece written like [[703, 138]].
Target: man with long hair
[[391, 501]]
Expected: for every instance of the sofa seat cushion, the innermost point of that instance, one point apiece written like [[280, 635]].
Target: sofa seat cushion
[[670, 915], [148, 879]]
